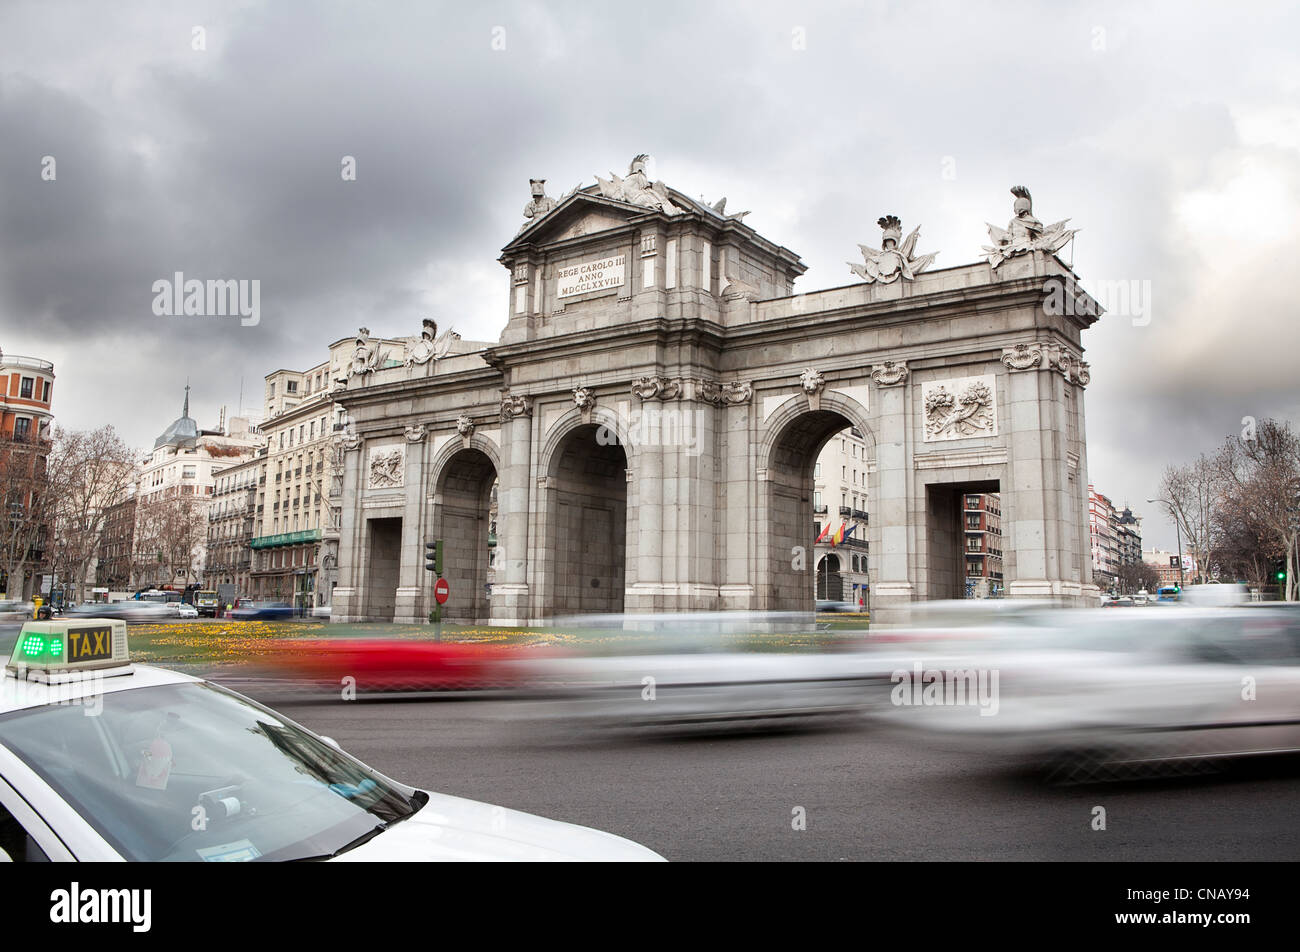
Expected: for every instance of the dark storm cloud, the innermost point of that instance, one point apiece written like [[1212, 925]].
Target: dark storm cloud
[[1170, 138]]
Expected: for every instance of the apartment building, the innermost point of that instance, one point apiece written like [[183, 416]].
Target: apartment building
[[185, 463], [232, 520], [840, 548], [982, 529]]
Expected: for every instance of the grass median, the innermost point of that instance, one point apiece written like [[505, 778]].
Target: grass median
[[227, 642]]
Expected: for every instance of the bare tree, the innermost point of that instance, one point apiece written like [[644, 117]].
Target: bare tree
[[25, 510], [170, 532], [1262, 479], [1191, 495], [1133, 577], [1242, 548], [90, 471]]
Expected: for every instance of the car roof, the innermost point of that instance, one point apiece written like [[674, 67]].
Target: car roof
[[16, 695]]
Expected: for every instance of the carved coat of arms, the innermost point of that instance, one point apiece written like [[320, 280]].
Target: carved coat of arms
[[957, 409], [387, 468]]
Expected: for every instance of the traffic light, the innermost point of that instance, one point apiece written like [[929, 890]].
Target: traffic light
[[433, 557]]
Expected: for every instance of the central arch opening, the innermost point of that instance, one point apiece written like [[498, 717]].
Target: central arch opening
[[818, 487], [465, 524], [587, 527]]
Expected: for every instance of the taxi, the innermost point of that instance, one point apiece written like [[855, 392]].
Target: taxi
[[103, 760]]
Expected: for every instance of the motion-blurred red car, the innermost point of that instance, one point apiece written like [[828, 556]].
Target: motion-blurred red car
[[390, 665]]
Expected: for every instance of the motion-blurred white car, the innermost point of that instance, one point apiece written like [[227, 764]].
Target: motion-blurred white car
[[170, 767], [1091, 694], [709, 671]]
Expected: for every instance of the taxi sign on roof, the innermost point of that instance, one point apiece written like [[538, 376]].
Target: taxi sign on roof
[[68, 646]]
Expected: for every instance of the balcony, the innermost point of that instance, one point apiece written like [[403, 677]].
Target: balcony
[[820, 510], [846, 510], [860, 514], [31, 363]]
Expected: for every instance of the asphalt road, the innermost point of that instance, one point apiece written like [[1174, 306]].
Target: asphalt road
[[866, 796]]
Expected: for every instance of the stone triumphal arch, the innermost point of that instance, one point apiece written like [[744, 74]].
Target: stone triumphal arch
[[642, 437]]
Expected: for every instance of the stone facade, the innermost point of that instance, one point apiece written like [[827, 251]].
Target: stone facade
[[655, 405]]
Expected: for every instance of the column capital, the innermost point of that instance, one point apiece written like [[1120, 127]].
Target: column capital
[[891, 373], [515, 405]]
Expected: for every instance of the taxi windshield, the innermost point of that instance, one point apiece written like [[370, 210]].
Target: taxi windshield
[[189, 772]]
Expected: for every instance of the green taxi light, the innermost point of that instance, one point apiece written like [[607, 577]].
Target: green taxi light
[[66, 646]]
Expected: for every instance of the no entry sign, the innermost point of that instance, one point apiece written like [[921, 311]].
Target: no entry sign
[[441, 590]]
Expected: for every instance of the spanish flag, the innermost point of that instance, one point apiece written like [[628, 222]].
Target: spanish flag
[[839, 534]]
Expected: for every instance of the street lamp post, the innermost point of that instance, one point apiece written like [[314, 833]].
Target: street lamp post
[[1179, 533]]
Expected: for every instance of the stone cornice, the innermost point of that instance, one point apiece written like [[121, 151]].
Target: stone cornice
[[662, 330]]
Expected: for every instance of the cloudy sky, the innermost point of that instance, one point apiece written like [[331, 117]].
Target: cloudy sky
[[1170, 133]]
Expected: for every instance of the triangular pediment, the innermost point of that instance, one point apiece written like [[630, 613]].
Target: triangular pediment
[[578, 214]]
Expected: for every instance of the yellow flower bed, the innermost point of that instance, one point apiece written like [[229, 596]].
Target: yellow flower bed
[[231, 642]]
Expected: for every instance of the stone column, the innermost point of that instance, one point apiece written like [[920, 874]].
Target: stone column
[[892, 588], [510, 600], [1089, 592], [645, 503], [348, 603], [694, 494], [413, 584], [1031, 505], [738, 526]]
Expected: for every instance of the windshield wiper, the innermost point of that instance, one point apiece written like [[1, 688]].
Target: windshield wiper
[[365, 837]]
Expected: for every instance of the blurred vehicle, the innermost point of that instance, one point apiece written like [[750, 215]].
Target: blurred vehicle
[[263, 611], [825, 605], [1167, 593], [321, 611], [186, 611], [1085, 697], [165, 748], [160, 595], [206, 602], [1123, 601], [687, 672], [129, 610], [387, 666]]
